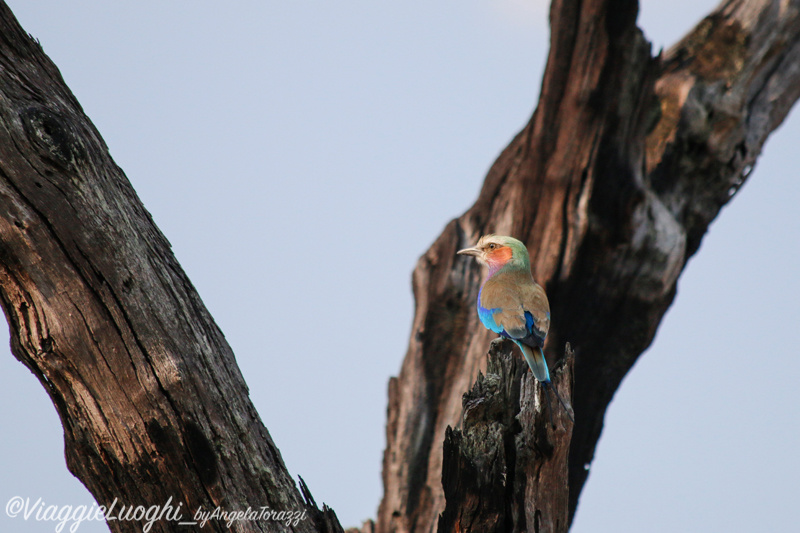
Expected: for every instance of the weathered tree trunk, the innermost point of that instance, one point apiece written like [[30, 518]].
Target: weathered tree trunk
[[149, 393], [505, 470], [612, 184]]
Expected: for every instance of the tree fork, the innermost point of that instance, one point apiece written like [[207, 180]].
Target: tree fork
[[612, 185]]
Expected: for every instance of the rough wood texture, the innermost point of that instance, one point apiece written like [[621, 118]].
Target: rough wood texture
[[505, 469], [612, 184], [149, 393]]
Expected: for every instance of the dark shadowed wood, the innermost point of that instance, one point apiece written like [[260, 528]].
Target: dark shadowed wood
[[149, 393], [505, 469], [612, 184]]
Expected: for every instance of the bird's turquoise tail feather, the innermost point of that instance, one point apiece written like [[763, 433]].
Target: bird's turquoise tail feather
[[535, 359]]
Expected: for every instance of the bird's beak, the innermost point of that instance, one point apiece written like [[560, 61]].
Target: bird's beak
[[470, 251]]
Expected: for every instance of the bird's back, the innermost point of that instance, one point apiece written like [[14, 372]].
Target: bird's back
[[517, 304]]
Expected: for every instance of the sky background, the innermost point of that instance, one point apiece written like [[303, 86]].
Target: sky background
[[241, 124]]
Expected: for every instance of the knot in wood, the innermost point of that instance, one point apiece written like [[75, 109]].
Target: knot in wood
[[55, 138]]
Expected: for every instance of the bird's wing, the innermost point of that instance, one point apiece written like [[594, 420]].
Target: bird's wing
[[500, 309], [516, 308], [534, 301], [513, 321]]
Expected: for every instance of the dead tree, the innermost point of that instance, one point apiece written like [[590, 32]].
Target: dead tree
[[613, 183], [150, 396], [505, 468]]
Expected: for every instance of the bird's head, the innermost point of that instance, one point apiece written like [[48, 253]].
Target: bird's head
[[496, 251]]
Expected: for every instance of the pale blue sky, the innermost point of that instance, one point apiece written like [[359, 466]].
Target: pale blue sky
[[328, 124]]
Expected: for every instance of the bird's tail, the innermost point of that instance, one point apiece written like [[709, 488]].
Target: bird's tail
[[547, 388], [535, 359]]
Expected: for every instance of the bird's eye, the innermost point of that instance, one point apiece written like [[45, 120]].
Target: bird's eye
[[492, 246]]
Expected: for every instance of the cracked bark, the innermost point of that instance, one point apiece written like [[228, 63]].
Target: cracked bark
[[505, 468], [612, 184], [148, 391]]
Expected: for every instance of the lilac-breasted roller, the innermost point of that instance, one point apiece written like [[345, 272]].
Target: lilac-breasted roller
[[511, 303]]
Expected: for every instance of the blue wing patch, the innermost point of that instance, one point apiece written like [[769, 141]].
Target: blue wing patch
[[529, 322], [534, 334], [487, 317]]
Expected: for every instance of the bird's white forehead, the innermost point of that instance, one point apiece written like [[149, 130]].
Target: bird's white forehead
[[491, 238]]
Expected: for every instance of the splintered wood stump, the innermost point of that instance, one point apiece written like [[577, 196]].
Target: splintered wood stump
[[505, 469]]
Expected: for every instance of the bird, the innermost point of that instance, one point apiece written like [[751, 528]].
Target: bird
[[512, 304]]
